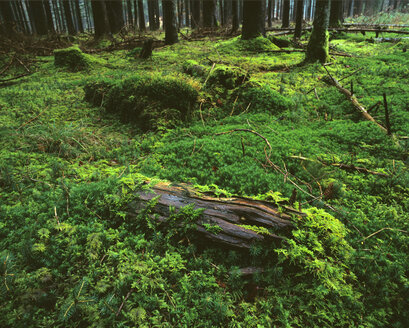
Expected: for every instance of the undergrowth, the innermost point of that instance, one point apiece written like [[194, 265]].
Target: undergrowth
[[259, 125]]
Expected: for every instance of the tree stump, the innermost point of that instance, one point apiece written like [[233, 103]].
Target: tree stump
[[147, 47]]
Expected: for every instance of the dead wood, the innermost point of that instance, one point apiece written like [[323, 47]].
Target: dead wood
[[225, 214]]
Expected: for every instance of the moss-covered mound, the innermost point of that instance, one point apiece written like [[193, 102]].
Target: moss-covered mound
[[193, 68], [227, 77], [261, 97], [148, 100], [73, 59], [259, 44]]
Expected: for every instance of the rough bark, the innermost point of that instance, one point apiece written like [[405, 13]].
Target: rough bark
[[135, 7], [151, 15], [187, 12], [79, 16], [235, 15], [318, 45], [286, 13], [169, 21], [269, 11], [50, 24], [298, 19], [253, 19], [226, 214]]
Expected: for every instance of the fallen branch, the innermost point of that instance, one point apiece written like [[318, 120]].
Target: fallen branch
[[383, 229]]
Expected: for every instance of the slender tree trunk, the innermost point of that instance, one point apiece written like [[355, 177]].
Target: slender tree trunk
[[286, 13], [87, 15], [221, 6], [151, 15], [169, 21], [187, 12], [209, 8], [115, 15], [157, 14], [298, 19], [142, 25], [38, 15], [253, 19], [235, 15], [7, 14], [336, 14], [79, 16], [135, 13], [50, 23], [269, 10], [20, 9], [129, 12], [179, 13], [227, 12], [195, 5], [318, 45], [68, 17], [100, 16]]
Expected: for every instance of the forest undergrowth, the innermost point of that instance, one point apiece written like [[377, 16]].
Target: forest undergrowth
[[77, 144]]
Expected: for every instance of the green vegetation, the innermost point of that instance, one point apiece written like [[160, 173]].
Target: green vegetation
[[74, 59], [77, 145]]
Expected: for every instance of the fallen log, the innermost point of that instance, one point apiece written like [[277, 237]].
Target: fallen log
[[232, 218], [341, 29]]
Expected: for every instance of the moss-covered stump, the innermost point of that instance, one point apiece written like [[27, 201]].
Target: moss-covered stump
[[227, 77], [261, 97], [235, 45], [73, 59], [148, 100], [193, 68]]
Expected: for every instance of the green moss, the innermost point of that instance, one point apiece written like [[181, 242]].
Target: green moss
[[74, 59], [259, 44], [152, 100], [95, 91], [193, 68], [227, 77], [261, 97]]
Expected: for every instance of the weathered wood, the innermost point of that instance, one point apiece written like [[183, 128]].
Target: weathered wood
[[226, 213]]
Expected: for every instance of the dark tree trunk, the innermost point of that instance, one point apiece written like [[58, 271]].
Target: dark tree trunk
[[179, 13], [151, 15], [195, 5], [129, 12], [142, 25], [68, 17], [115, 15], [87, 15], [235, 15], [187, 12], [18, 18], [38, 16], [169, 21], [221, 12], [135, 7], [336, 14], [209, 12], [7, 14], [318, 45], [298, 19], [227, 12], [157, 14], [50, 24], [24, 24], [101, 22], [286, 13], [253, 19], [269, 12], [79, 16]]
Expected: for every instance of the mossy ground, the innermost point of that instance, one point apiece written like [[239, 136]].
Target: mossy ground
[[66, 168]]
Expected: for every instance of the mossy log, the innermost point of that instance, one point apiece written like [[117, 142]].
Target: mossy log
[[231, 216]]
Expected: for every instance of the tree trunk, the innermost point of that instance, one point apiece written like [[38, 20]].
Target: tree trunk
[[225, 215], [7, 14], [336, 14], [135, 7], [129, 12], [68, 17], [169, 21], [235, 14], [318, 45], [101, 22], [50, 23], [187, 13], [195, 5], [151, 15], [38, 16], [227, 12], [269, 11], [253, 19], [209, 11], [142, 25], [299, 19], [286, 13], [79, 16], [115, 15]]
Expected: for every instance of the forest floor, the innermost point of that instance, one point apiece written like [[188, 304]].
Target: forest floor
[[71, 257]]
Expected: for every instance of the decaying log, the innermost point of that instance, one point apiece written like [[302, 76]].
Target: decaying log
[[226, 213]]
